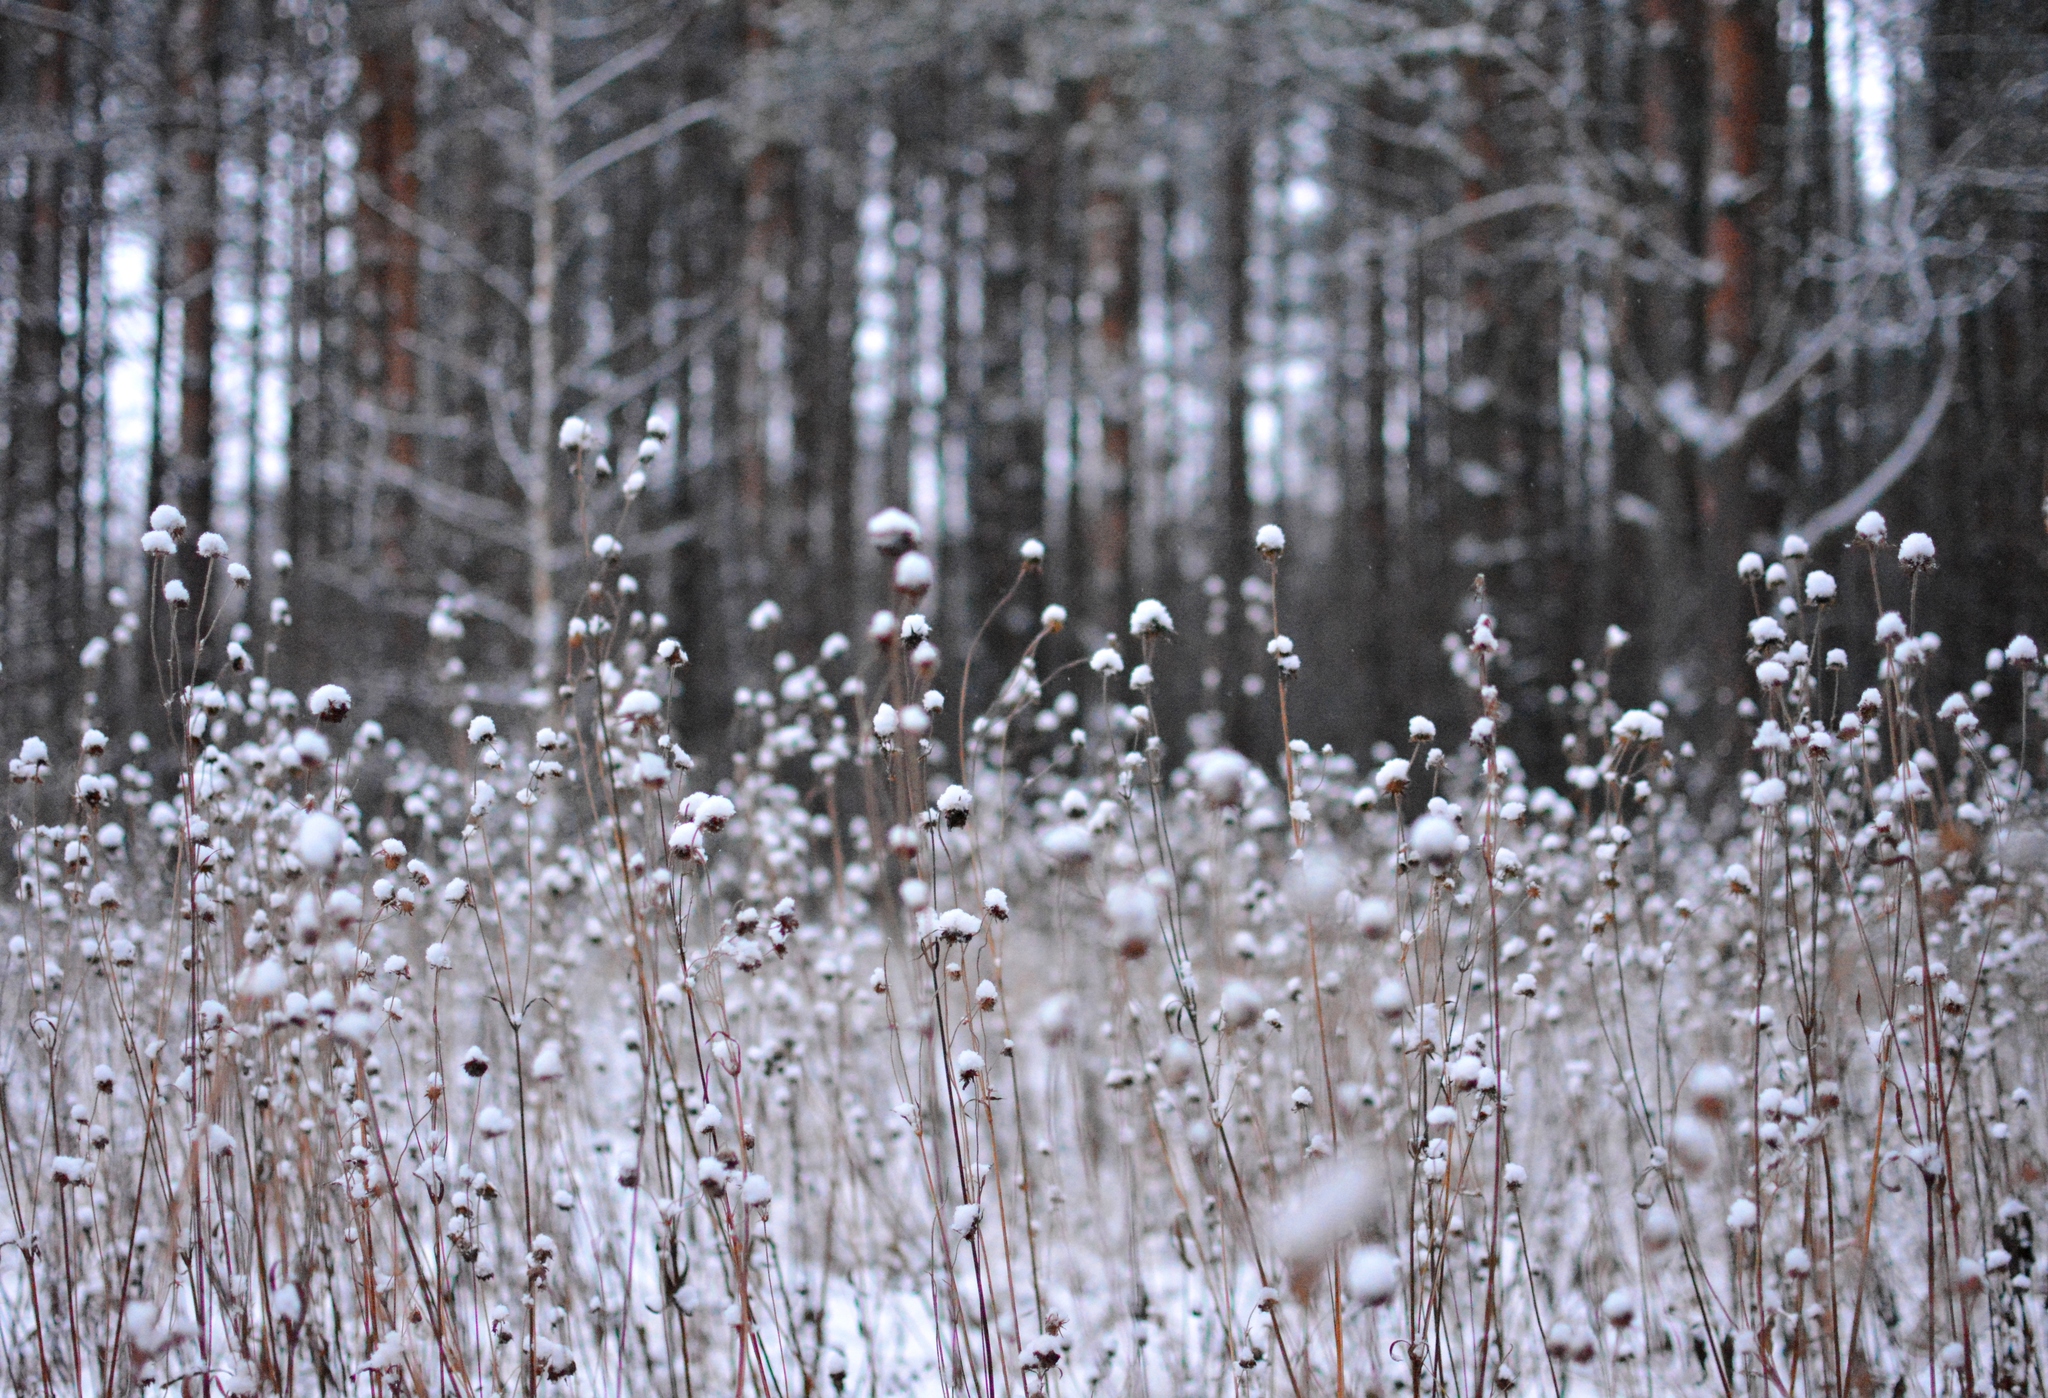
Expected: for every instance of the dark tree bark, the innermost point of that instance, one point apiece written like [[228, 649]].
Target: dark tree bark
[[1981, 488], [36, 625], [388, 263], [194, 197], [1007, 423], [1660, 335], [1109, 311], [770, 199], [388, 256], [1233, 552], [820, 374], [1742, 52]]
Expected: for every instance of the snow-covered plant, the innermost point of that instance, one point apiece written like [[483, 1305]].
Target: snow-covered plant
[[1027, 1050]]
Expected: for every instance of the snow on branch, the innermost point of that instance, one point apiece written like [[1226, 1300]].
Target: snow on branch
[[1902, 456]]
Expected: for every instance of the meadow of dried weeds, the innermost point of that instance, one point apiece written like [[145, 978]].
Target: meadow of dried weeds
[[1024, 1051]]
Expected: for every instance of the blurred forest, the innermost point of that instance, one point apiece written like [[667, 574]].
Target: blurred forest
[[1589, 296]]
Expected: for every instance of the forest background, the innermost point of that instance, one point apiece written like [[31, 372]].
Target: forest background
[[1588, 296]]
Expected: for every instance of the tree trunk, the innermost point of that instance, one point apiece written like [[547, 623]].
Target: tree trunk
[[34, 626], [387, 263], [1007, 442], [1108, 307], [819, 373], [1661, 330], [197, 60], [1234, 551], [388, 257], [764, 295], [1742, 46]]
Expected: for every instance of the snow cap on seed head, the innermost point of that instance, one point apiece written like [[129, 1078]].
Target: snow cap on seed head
[[1433, 838], [329, 703], [894, 531], [913, 573], [1639, 726], [1150, 618]]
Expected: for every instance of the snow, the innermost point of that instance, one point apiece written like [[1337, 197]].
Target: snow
[[783, 1059]]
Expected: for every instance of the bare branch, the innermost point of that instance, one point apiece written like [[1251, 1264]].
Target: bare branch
[[1902, 457], [590, 360], [654, 541], [1756, 402], [488, 519], [1512, 201], [653, 134], [492, 520], [95, 37], [507, 21], [490, 380], [442, 240], [661, 540], [58, 20], [1676, 407], [617, 66], [378, 591], [447, 426], [664, 364]]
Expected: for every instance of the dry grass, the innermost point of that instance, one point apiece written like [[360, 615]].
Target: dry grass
[[348, 1071]]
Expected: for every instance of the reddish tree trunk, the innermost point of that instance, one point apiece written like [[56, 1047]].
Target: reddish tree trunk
[[1110, 302], [1740, 35], [1741, 39], [388, 257], [387, 263]]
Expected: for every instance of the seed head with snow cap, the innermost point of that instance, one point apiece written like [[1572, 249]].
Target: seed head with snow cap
[[1220, 776], [1150, 618], [912, 575], [956, 804], [1639, 726], [1335, 1203], [1435, 839], [329, 703], [1133, 911], [640, 707], [320, 842], [894, 532], [32, 764]]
